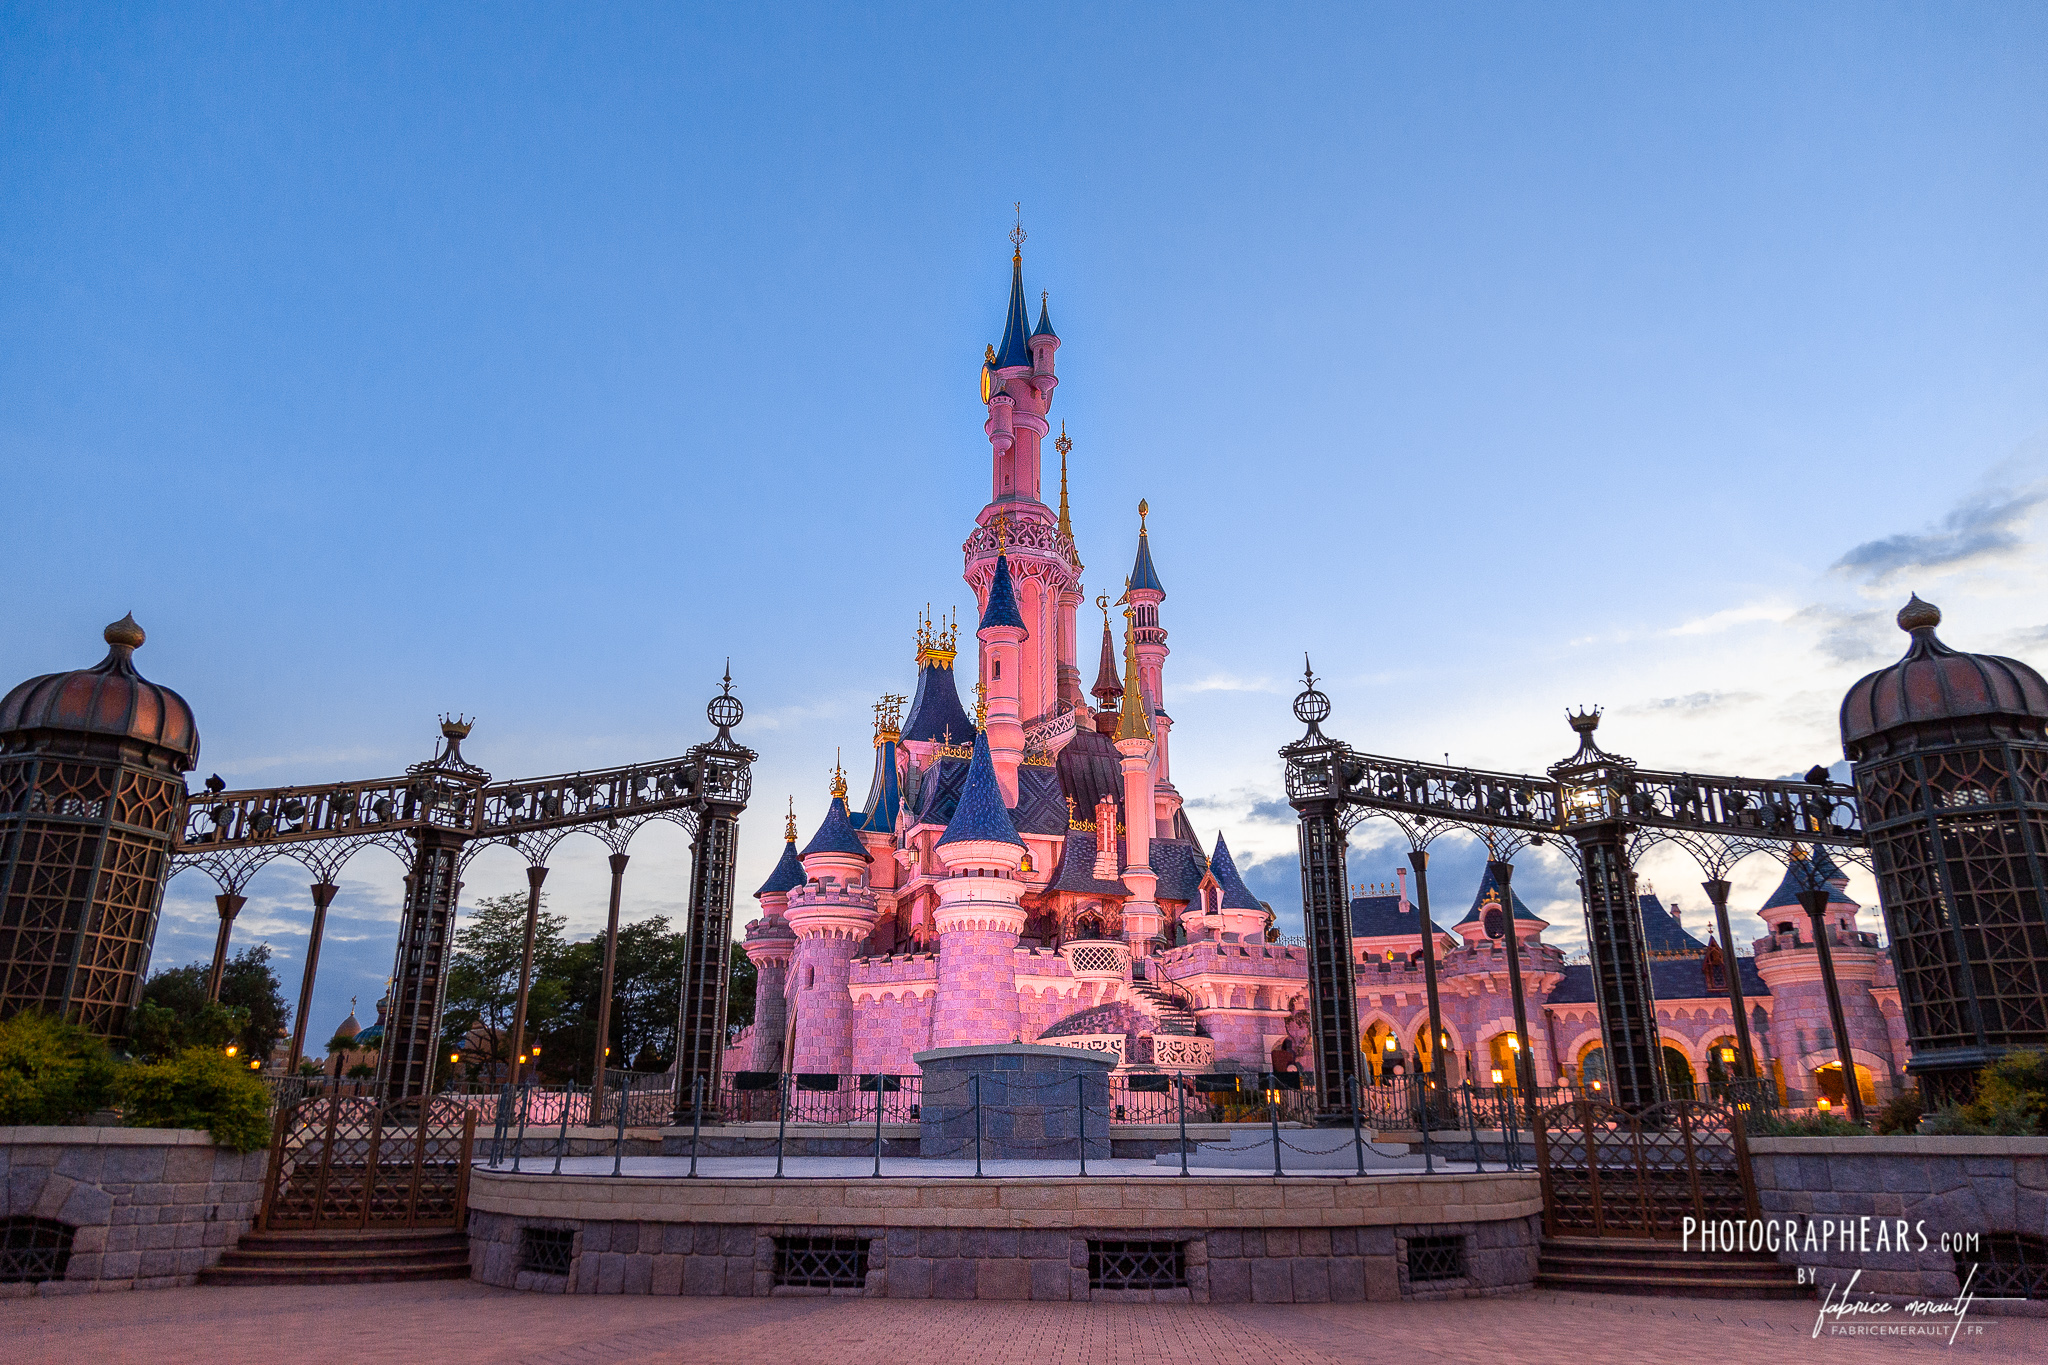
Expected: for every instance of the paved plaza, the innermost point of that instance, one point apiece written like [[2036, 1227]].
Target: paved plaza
[[468, 1324]]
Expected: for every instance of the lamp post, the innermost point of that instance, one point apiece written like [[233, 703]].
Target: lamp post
[[1816, 903]]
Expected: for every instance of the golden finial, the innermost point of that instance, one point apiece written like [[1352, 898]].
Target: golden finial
[[789, 825], [1143, 508], [889, 718], [981, 706], [988, 355], [936, 642], [1102, 601], [1017, 236], [838, 777], [1063, 445], [1002, 532]]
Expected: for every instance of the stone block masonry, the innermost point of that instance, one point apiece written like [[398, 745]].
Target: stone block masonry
[[147, 1207]]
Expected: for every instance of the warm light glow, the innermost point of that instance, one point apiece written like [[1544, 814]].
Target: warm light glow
[[522, 1059], [1824, 1104], [1727, 1054], [536, 1049], [1514, 1043], [454, 1057], [1390, 1044], [232, 1049], [1596, 1085], [1496, 1075], [256, 1065]]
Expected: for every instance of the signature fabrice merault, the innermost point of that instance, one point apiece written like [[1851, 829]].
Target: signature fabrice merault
[[1840, 1306]]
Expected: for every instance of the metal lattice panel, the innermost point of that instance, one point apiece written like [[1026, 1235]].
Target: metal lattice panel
[[1137, 1265], [33, 1250], [821, 1262], [2007, 1265], [341, 1162], [700, 1012], [1609, 1172], [1436, 1258], [547, 1251]]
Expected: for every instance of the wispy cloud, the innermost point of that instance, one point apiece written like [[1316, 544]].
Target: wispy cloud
[[1987, 526], [1845, 637], [2037, 638], [1228, 682], [1692, 703], [1732, 616]]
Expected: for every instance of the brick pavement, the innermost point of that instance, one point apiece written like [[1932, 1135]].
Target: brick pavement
[[461, 1323]]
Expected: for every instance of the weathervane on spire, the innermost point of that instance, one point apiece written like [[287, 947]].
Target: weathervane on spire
[[1017, 233], [789, 825], [838, 777]]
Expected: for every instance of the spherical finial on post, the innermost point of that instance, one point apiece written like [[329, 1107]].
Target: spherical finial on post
[[1917, 615], [1311, 706], [724, 710], [124, 633]]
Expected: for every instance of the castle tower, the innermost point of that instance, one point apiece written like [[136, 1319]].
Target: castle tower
[[1145, 593], [769, 946], [1017, 383], [831, 914], [1142, 920], [936, 717], [1002, 635], [979, 915]]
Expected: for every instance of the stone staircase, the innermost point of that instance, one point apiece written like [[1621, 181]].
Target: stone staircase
[[343, 1257], [1613, 1265], [1166, 1012]]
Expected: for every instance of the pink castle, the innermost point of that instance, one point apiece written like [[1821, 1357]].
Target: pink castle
[[1029, 874]]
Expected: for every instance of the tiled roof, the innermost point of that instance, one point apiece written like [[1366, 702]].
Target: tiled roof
[[836, 834], [1381, 917], [1041, 804], [879, 814], [1002, 598], [1798, 877], [788, 873], [1522, 911], [1114, 1017], [1076, 871], [1179, 868], [1090, 768], [935, 712], [1671, 978], [938, 793], [1143, 575], [1662, 933], [981, 815], [1236, 895], [1016, 345], [1044, 328]]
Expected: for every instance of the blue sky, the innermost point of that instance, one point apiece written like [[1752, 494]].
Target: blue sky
[[530, 361]]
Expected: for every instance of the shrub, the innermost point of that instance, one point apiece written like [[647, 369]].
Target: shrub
[[51, 1071], [199, 1088], [2012, 1100], [1902, 1115], [1804, 1125]]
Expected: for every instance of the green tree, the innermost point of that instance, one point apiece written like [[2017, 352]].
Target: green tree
[[175, 1013], [646, 978], [199, 1088], [483, 980], [739, 1002]]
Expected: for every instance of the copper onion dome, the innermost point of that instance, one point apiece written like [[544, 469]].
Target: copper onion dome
[[110, 698], [1935, 683]]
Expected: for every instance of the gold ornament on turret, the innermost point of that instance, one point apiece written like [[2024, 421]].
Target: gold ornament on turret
[[1132, 722], [981, 706], [789, 825], [838, 777], [889, 718], [937, 643]]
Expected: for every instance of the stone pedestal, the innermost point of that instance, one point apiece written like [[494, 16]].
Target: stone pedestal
[[1031, 1102]]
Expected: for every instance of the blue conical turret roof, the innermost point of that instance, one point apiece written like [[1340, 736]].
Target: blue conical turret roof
[[787, 876], [1045, 322], [1488, 885], [1236, 895], [936, 715], [1002, 598], [1808, 874], [1016, 346], [836, 834], [981, 814], [1143, 575], [884, 796]]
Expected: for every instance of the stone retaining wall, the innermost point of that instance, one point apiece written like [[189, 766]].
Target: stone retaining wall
[[150, 1207], [1953, 1185], [1244, 1240]]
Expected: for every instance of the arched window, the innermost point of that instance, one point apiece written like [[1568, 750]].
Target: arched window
[[33, 1250]]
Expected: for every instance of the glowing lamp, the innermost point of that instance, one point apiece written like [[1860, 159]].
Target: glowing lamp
[[256, 1065], [522, 1059], [1514, 1043], [1596, 1085], [536, 1049], [1496, 1075], [1390, 1044], [454, 1057], [1823, 1104], [232, 1049], [1727, 1054]]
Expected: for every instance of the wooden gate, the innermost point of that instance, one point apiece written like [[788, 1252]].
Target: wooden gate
[[344, 1162], [1610, 1173]]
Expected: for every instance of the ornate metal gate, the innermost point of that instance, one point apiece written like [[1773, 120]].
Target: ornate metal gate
[[340, 1163], [1610, 1173]]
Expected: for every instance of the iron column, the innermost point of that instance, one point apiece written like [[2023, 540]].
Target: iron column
[[1525, 1061], [229, 905], [323, 895], [1816, 903], [604, 992], [535, 875], [1717, 892], [1326, 915], [1418, 858]]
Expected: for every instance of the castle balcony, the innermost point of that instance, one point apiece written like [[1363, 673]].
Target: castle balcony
[[1837, 938], [1097, 959]]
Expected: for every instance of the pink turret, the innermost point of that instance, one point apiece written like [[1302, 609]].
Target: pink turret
[[1145, 593], [979, 915], [1142, 919], [1002, 635], [770, 944], [831, 914]]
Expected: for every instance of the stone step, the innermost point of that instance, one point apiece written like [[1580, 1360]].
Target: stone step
[[288, 1256], [1623, 1265], [354, 1274], [1673, 1287]]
